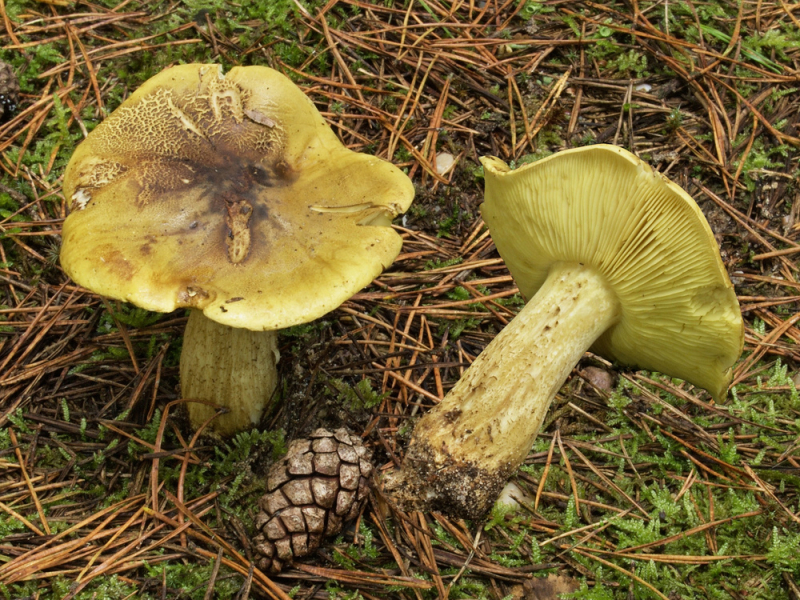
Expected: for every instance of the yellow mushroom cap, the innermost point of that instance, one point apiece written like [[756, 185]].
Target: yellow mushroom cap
[[229, 194], [603, 207]]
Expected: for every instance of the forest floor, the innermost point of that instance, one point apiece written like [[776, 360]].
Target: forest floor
[[639, 486]]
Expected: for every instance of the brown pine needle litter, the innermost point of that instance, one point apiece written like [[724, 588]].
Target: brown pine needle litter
[[641, 488]]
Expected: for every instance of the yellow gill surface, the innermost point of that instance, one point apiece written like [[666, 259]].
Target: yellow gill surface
[[602, 206]]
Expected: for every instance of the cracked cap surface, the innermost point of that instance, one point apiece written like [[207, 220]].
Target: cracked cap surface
[[229, 194], [603, 207]]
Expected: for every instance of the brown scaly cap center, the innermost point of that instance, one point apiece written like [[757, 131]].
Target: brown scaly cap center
[[206, 142]]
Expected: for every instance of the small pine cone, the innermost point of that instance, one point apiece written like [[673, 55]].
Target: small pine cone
[[9, 92], [320, 483]]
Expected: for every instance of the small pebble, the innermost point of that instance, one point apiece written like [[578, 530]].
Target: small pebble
[[444, 162], [511, 496], [599, 378]]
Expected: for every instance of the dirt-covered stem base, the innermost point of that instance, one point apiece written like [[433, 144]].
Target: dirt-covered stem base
[[234, 368], [464, 449]]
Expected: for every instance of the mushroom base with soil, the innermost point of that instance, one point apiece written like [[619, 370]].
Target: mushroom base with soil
[[465, 448], [229, 367]]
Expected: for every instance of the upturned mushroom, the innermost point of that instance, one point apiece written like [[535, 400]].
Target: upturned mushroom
[[614, 257], [231, 196]]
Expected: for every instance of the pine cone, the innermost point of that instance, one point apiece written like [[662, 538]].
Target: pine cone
[[320, 483], [9, 92]]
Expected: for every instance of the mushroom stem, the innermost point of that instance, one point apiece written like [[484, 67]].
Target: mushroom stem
[[464, 449], [230, 367]]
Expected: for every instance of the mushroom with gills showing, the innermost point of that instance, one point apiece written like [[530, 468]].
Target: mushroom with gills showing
[[614, 257], [231, 196]]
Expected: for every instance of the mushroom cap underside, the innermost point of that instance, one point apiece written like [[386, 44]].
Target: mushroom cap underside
[[603, 207], [229, 194]]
